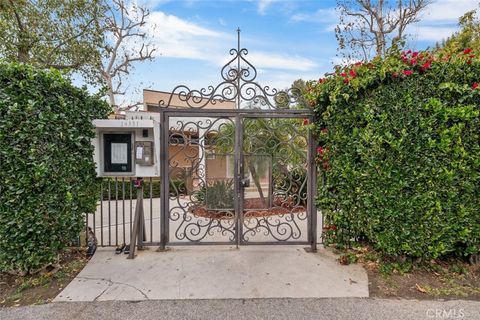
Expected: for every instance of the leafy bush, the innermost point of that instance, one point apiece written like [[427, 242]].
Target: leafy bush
[[47, 174], [399, 143], [218, 195]]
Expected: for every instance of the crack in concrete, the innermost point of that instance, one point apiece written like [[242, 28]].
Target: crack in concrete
[[111, 283], [96, 298]]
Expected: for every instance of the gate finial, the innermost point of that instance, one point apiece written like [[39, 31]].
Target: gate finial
[[238, 38]]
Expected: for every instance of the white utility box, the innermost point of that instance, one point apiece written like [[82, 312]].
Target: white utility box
[[126, 148]]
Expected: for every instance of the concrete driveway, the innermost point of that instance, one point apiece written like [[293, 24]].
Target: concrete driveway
[[216, 272]]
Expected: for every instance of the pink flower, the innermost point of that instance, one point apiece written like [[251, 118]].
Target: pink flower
[[353, 74], [305, 122], [407, 72], [413, 61], [320, 150], [414, 54], [475, 85], [343, 74], [467, 50]]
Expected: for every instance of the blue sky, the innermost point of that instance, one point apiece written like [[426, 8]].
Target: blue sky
[[286, 40]]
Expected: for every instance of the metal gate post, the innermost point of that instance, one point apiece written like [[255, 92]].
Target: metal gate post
[[164, 189], [311, 191], [238, 176]]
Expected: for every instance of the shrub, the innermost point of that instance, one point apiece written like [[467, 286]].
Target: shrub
[[399, 143], [47, 174], [217, 195]]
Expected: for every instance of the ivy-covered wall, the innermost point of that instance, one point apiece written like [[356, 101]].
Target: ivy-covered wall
[[399, 148], [47, 174]]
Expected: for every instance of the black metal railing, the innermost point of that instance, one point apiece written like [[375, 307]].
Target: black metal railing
[[113, 219]]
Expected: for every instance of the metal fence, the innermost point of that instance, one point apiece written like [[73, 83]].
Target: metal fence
[[113, 219]]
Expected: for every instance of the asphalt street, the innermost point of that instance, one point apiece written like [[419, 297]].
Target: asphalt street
[[274, 309]]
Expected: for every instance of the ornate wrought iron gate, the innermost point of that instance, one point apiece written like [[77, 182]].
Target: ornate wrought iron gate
[[237, 163]]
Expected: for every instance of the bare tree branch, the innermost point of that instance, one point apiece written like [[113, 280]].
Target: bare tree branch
[[383, 21], [125, 25]]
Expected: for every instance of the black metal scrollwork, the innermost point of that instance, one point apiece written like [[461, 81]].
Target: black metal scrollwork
[[239, 86], [191, 140]]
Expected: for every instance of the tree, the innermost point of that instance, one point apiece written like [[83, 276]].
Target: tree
[[125, 44], [468, 36], [367, 25], [101, 39], [60, 34]]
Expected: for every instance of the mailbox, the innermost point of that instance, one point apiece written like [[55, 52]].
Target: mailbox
[[126, 148], [144, 153]]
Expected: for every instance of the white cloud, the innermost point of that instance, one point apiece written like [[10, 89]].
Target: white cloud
[[433, 33], [440, 19], [447, 11], [277, 61], [328, 15], [178, 38], [263, 5], [282, 80]]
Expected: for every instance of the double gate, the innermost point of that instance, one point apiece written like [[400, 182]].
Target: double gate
[[237, 166], [237, 177]]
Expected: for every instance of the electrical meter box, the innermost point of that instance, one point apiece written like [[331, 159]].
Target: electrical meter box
[[126, 148]]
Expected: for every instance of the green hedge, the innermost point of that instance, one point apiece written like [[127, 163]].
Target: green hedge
[[399, 140], [47, 175]]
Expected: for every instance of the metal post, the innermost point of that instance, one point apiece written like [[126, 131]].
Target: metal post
[[270, 182], [151, 211], [116, 211], [109, 213], [137, 233], [239, 173], [123, 210], [311, 192], [142, 230], [164, 188], [101, 213]]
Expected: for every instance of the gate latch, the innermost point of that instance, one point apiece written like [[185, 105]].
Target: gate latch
[[245, 183]]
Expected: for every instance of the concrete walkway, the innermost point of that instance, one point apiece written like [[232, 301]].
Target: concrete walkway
[[265, 309], [216, 272]]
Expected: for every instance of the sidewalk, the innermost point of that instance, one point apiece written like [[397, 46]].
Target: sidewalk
[[268, 309], [216, 272]]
